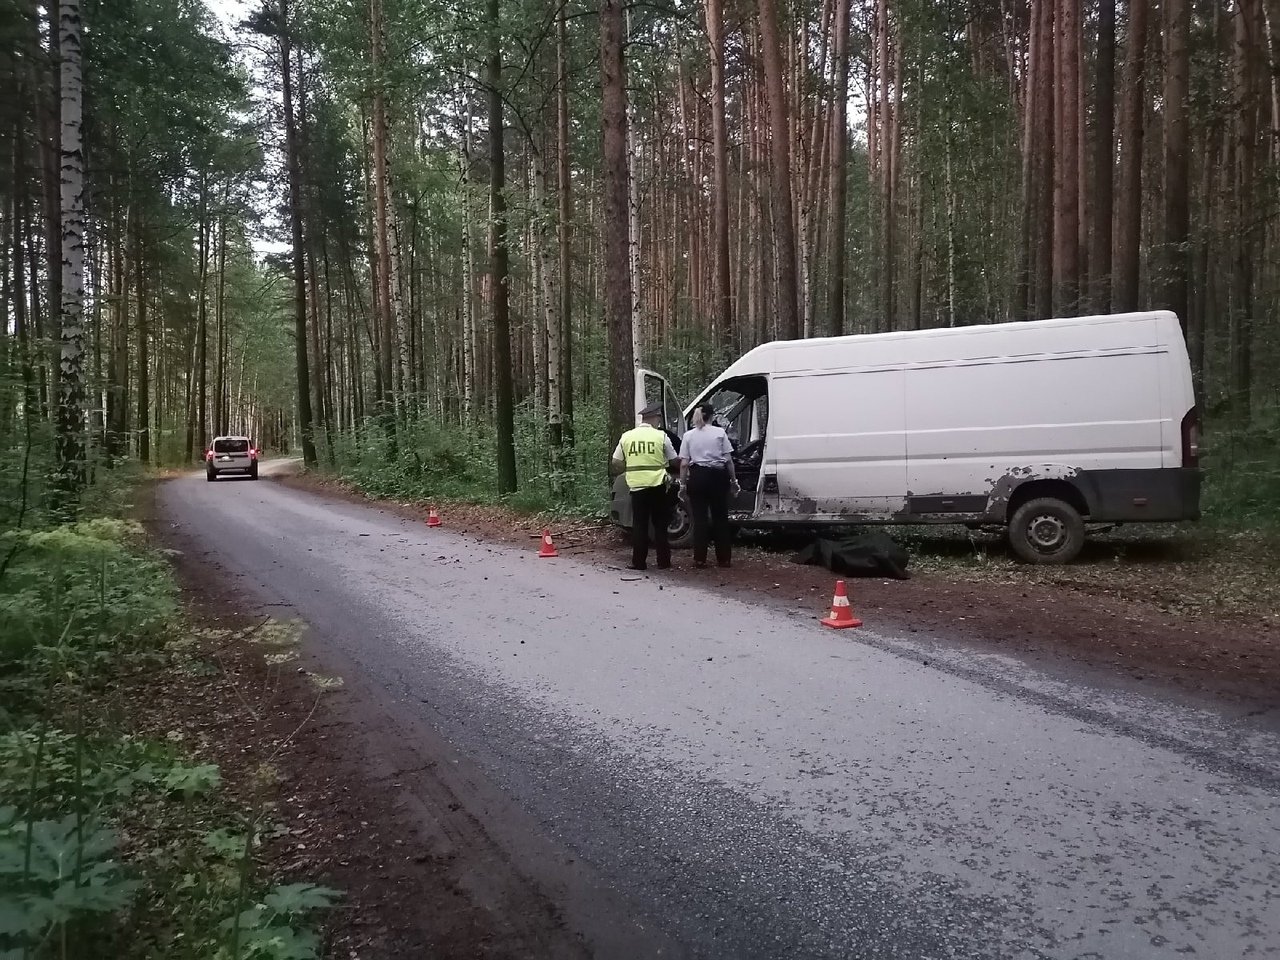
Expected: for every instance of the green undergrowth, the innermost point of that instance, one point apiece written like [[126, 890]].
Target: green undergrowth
[[1242, 474], [114, 844], [425, 461]]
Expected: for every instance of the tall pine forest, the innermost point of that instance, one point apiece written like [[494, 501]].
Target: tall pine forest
[[424, 245]]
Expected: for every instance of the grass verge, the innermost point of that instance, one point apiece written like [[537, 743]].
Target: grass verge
[[116, 841]]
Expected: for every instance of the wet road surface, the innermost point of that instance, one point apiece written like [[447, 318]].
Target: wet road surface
[[737, 782]]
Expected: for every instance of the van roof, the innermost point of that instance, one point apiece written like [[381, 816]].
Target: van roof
[[801, 353]]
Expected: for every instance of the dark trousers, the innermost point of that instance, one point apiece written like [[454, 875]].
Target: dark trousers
[[650, 506], [709, 504]]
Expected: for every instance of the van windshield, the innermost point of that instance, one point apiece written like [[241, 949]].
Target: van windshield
[[231, 446], [742, 408]]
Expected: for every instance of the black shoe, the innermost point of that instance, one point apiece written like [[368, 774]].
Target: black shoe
[[723, 564], [700, 564], [665, 566], [634, 566]]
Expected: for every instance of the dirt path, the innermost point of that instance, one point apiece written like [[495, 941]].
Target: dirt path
[[1202, 628]]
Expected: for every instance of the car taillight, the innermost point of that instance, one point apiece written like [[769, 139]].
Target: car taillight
[[253, 453], [208, 454], [1191, 438]]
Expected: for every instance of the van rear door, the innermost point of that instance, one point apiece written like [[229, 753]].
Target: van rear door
[[232, 453]]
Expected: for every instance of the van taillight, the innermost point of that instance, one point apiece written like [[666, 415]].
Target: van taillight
[[253, 453], [1191, 438]]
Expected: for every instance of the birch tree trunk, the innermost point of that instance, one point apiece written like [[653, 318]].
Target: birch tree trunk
[[613, 228], [71, 387]]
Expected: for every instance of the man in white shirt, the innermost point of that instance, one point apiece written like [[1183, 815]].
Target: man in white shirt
[[706, 466]]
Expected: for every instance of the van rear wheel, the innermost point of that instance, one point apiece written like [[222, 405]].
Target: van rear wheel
[[1046, 531]]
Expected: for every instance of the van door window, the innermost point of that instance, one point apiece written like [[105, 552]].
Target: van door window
[[652, 390], [742, 408], [672, 412]]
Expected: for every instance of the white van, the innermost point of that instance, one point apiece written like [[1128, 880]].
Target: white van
[[1039, 427]]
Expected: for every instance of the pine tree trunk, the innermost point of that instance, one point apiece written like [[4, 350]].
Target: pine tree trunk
[[1103, 159], [565, 191], [144, 345], [387, 294], [468, 275], [1024, 297], [1248, 36], [722, 318], [1044, 145], [633, 229], [613, 228], [198, 440], [220, 316], [1066, 228], [1128, 236], [299, 250], [784, 233], [1177, 161], [499, 260], [839, 173]]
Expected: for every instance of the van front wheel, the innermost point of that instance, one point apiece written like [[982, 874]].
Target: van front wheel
[[1046, 530]]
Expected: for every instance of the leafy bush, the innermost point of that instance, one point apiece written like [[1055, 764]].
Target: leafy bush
[[427, 460], [81, 585], [113, 846]]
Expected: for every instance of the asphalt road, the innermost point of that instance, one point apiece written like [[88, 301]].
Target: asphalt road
[[742, 783]]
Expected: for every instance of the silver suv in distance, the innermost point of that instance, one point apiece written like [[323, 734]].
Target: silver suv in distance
[[230, 455]]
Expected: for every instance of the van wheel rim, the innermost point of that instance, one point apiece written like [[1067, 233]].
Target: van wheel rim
[[1047, 533], [679, 520]]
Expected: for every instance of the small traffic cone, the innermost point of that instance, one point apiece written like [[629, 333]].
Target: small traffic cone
[[548, 548], [841, 613], [433, 517]]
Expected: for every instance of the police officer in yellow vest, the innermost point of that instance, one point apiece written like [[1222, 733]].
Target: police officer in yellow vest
[[645, 453]]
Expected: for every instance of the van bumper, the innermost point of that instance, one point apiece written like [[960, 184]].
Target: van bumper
[[1158, 495]]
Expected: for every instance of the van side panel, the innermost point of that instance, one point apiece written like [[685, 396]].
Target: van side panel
[[836, 444], [971, 424]]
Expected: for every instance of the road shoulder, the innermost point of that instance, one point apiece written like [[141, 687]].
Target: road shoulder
[[1228, 662]]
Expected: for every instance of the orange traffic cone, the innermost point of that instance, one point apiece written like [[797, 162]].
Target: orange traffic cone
[[548, 548], [841, 613], [433, 517]]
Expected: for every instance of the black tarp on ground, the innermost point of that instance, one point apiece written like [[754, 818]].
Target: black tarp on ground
[[865, 555]]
